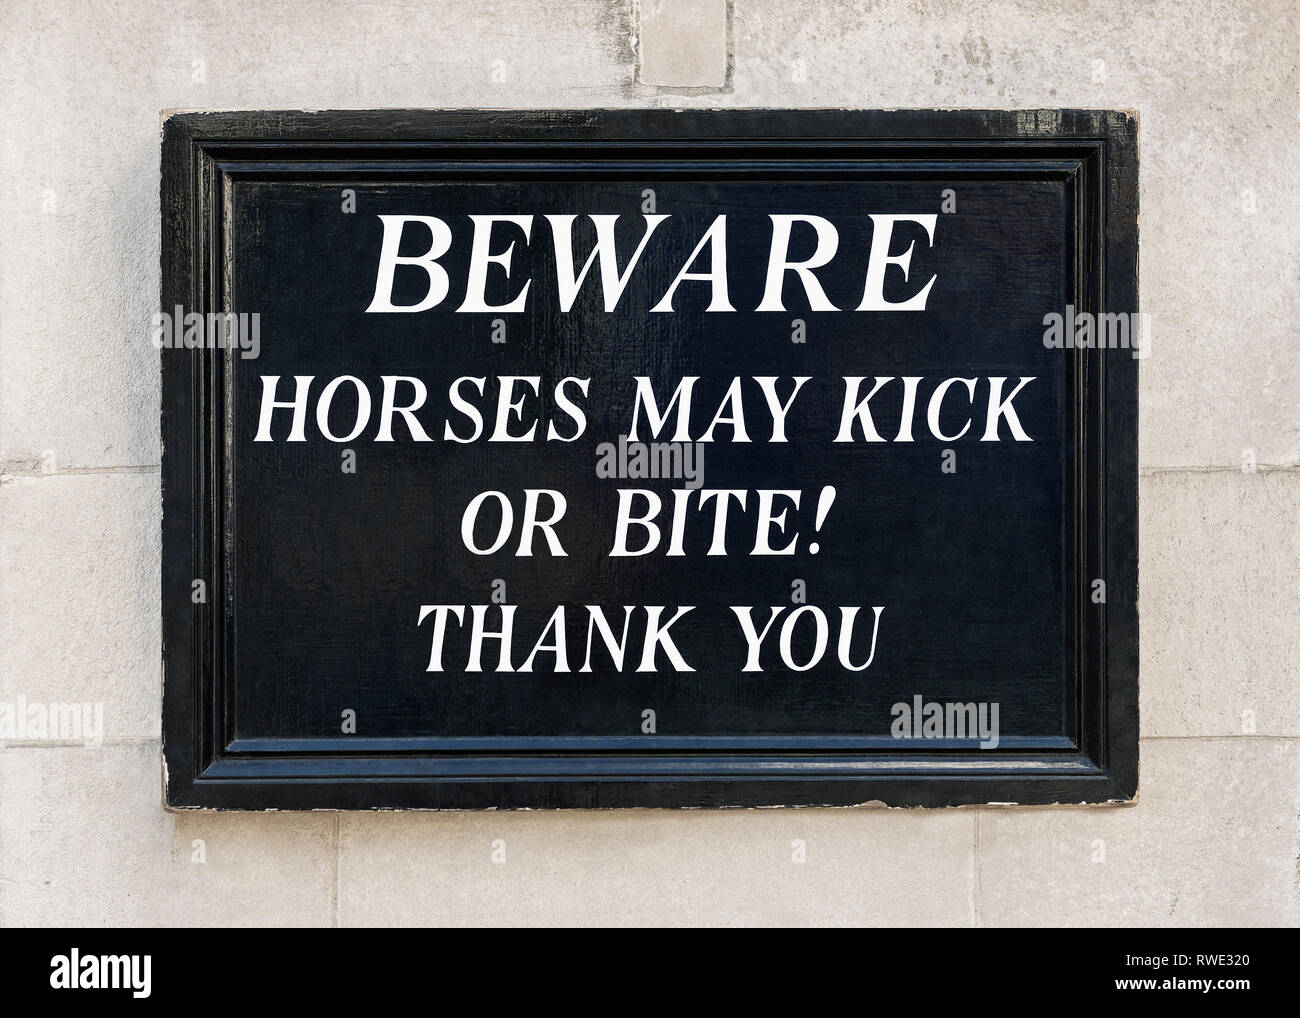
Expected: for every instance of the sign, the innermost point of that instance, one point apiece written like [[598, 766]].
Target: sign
[[649, 458]]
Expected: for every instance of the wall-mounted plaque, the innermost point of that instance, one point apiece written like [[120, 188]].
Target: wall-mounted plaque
[[649, 458]]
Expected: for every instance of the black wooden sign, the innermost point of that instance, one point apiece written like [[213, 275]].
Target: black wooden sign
[[649, 458]]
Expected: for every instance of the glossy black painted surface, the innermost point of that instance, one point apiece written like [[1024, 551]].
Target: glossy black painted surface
[[315, 577]]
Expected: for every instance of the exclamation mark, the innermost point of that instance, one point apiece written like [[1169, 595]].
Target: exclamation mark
[[824, 501]]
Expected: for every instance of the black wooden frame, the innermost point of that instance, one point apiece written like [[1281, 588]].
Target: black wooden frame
[[203, 152]]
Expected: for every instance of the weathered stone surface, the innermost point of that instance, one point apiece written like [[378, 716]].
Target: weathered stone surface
[[1220, 603], [658, 868], [79, 614], [683, 43], [1212, 842], [84, 841]]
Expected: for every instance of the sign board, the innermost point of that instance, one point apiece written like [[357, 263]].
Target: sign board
[[649, 458]]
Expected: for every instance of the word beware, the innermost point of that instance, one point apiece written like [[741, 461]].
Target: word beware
[[614, 279]]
